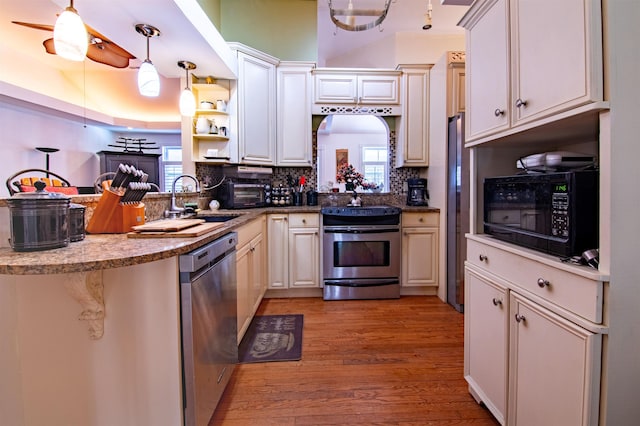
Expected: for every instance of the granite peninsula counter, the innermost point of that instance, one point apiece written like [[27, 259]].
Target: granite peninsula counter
[[94, 328]]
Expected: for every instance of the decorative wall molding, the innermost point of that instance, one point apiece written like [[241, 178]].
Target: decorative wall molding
[[87, 289], [355, 109]]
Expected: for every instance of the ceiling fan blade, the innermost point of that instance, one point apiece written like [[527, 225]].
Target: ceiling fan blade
[[97, 53], [115, 49], [106, 56], [36, 26], [49, 46]]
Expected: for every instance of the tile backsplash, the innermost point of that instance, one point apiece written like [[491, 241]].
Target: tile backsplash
[[397, 176]]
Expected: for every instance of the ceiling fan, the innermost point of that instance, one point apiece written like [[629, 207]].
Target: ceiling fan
[[101, 49]]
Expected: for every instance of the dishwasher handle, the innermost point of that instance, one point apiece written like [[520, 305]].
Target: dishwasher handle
[[208, 253]]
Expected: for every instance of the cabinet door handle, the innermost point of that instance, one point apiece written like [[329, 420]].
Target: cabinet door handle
[[304, 220], [520, 318], [483, 258], [421, 219], [498, 112], [496, 301], [542, 283], [520, 103]]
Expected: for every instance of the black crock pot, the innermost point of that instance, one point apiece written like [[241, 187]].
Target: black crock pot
[[76, 222], [39, 220]]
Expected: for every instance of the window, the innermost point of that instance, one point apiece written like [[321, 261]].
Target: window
[[375, 165], [171, 165]]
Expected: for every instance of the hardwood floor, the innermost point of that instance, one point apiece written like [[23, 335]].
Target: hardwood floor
[[364, 362]]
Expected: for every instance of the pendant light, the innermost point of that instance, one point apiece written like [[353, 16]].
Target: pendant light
[[351, 19], [427, 17], [148, 79], [350, 14], [187, 100], [70, 37]]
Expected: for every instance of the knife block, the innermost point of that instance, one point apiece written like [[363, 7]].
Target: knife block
[[112, 217]]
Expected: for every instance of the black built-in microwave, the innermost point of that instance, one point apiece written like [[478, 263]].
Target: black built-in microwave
[[556, 213]]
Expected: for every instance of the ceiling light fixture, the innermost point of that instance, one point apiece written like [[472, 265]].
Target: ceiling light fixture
[[350, 13], [70, 37], [427, 17], [148, 78], [187, 100]]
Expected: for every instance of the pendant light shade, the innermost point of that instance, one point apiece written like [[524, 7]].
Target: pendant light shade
[[148, 78], [187, 99], [70, 37]]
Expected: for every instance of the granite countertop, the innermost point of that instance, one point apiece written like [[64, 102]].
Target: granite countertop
[[105, 251]]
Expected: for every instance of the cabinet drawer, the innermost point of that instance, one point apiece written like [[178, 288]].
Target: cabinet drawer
[[304, 220], [420, 219], [249, 231], [577, 294]]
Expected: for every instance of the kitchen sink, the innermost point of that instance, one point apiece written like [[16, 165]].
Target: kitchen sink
[[219, 217]]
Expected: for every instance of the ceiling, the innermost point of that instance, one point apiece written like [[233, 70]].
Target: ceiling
[[403, 16], [185, 29]]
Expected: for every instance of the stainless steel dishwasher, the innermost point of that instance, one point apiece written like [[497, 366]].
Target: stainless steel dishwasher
[[209, 326]]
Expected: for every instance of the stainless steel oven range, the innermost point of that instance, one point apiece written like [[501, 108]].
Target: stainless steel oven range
[[361, 252]]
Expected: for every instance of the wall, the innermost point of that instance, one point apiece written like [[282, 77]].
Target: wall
[[289, 32], [23, 130], [401, 48]]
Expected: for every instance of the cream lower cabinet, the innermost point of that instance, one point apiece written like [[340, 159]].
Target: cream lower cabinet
[[486, 309], [533, 339], [420, 244], [251, 271], [294, 250], [554, 368]]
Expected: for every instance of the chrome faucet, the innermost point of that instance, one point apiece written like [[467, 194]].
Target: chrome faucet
[[174, 207]]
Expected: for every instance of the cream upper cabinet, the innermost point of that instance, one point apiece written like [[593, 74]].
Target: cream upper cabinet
[[356, 86], [556, 58], [487, 61], [294, 98], [526, 64], [254, 103], [413, 124], [554, 367], [486, 311], [294, 250], [420, 244]]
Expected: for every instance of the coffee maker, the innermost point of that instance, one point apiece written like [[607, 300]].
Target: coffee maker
[[417, 194]]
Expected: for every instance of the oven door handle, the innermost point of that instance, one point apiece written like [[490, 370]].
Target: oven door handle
[[362, 282], [360, 231]]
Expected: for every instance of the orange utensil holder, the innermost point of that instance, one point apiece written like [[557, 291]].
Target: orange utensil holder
[[112, 217]]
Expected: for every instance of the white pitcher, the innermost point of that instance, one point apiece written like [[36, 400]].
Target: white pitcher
[[203, 125]]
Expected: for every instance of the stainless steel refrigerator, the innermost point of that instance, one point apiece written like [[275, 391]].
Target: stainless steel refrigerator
[[457, 211]]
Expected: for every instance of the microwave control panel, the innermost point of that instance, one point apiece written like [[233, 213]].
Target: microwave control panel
[[560, 214]]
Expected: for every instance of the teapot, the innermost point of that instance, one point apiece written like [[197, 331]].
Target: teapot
[[203, 125]]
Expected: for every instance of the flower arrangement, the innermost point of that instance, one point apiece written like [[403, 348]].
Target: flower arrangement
[[370, 185], [348, 174]]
